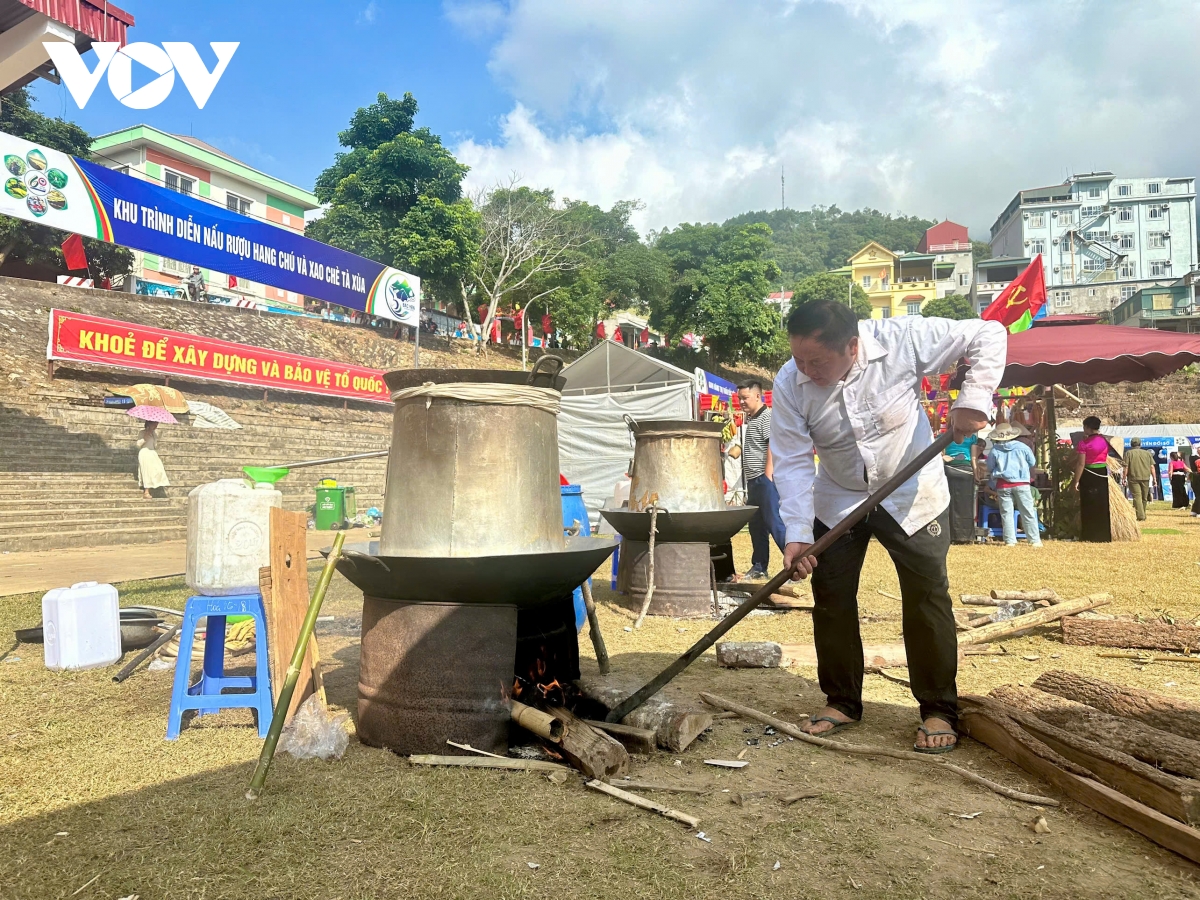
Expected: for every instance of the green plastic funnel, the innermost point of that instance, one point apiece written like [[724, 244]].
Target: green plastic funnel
[[266, 474]]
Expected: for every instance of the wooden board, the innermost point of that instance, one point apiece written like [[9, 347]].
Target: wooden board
[[287, 602], [1150, 823]]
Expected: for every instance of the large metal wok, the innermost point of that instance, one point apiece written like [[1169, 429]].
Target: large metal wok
[[683, 527], [517, 579]]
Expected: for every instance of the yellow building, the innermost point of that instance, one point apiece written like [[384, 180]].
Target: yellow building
[[897, 284]]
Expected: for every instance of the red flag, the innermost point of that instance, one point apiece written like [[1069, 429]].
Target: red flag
[[600, 332], [617, 336], [518, 320], [233, 281], [495, 331], [73, 255], [481, 312], [547, 325], [1020, 301], [644, 337]]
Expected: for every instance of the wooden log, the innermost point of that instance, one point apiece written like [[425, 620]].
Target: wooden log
[[786, 601], [487, 762], [1134, 635], [986, 633], [536, 721], [1181, 717], [1151, 745], [675, 723], [1017, 596], [979, 600], [868, 750], [772, 655], [636, 740], [643, 803], [592, 752], [1150, 823], [1169, 794]]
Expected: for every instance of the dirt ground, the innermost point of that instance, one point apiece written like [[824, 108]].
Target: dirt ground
[[91, 794]]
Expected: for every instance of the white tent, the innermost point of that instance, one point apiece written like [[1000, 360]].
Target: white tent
[[604, 385]]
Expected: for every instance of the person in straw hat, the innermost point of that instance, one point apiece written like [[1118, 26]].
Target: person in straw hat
[[1010, 463]]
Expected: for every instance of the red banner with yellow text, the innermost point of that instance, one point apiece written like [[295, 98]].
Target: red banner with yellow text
[[125, 345]]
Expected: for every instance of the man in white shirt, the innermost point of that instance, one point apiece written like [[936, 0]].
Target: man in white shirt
[[849, 395]]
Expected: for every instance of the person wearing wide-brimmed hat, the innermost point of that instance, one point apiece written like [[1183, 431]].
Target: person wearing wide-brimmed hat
[[1010, 463]]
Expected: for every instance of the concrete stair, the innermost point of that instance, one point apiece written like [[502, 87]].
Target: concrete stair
[[69, 472]]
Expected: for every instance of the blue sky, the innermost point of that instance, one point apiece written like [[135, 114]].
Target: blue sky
[[937, 108], [302, 69]]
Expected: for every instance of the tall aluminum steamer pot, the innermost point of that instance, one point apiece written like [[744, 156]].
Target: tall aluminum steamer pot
[[470, 479], [680, 461]]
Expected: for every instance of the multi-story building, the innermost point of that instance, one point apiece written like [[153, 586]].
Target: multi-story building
[[1173, 307], [899, 284], [949, 242], [992, 276], [1102, 238], [192, 167]]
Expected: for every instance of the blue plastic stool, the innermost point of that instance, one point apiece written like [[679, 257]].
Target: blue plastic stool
[[205, 695], [574, 510], [987, 513]]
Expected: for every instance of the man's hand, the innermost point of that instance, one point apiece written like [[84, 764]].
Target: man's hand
[[797, 562], [966, 422]]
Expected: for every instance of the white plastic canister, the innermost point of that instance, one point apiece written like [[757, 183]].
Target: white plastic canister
[[228, 535], [81, 626]]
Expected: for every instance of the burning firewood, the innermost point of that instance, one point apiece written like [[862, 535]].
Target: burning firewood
[[591, 751], [675, 723]]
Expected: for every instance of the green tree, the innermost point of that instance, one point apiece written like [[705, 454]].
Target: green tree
[[980, 250], [952, 306], [805, 242], [530, 249], [720, 279], [831, 286], [395, 196], [40, 244]]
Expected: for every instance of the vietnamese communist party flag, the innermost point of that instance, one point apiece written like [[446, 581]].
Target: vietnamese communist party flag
[[1020, 301], [73, 255]]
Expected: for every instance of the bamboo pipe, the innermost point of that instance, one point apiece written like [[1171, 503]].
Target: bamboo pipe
[[640, 696], [284, 700], [540, 723]]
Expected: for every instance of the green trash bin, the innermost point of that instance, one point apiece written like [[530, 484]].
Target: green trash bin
[[329, 514]]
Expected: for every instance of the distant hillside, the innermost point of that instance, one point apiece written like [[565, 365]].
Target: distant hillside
[[819, 239]]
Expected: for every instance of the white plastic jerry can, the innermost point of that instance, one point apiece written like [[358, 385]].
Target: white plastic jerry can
[[228, 535], [81, 626]]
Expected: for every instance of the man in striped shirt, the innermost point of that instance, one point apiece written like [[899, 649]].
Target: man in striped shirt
[[759, 473]]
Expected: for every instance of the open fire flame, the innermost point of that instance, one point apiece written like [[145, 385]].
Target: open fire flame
[[534, 688]]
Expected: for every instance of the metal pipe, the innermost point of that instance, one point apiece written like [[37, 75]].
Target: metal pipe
[[284, 700], [127, 670], [373, 454], [918, 462]]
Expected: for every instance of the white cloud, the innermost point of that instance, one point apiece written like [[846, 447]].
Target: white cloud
[[931, 108], [369, 13]]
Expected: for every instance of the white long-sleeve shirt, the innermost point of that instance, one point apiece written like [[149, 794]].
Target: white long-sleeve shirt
[[865, 428]]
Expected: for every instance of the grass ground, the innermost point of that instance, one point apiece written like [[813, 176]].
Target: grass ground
[[89, 789]]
